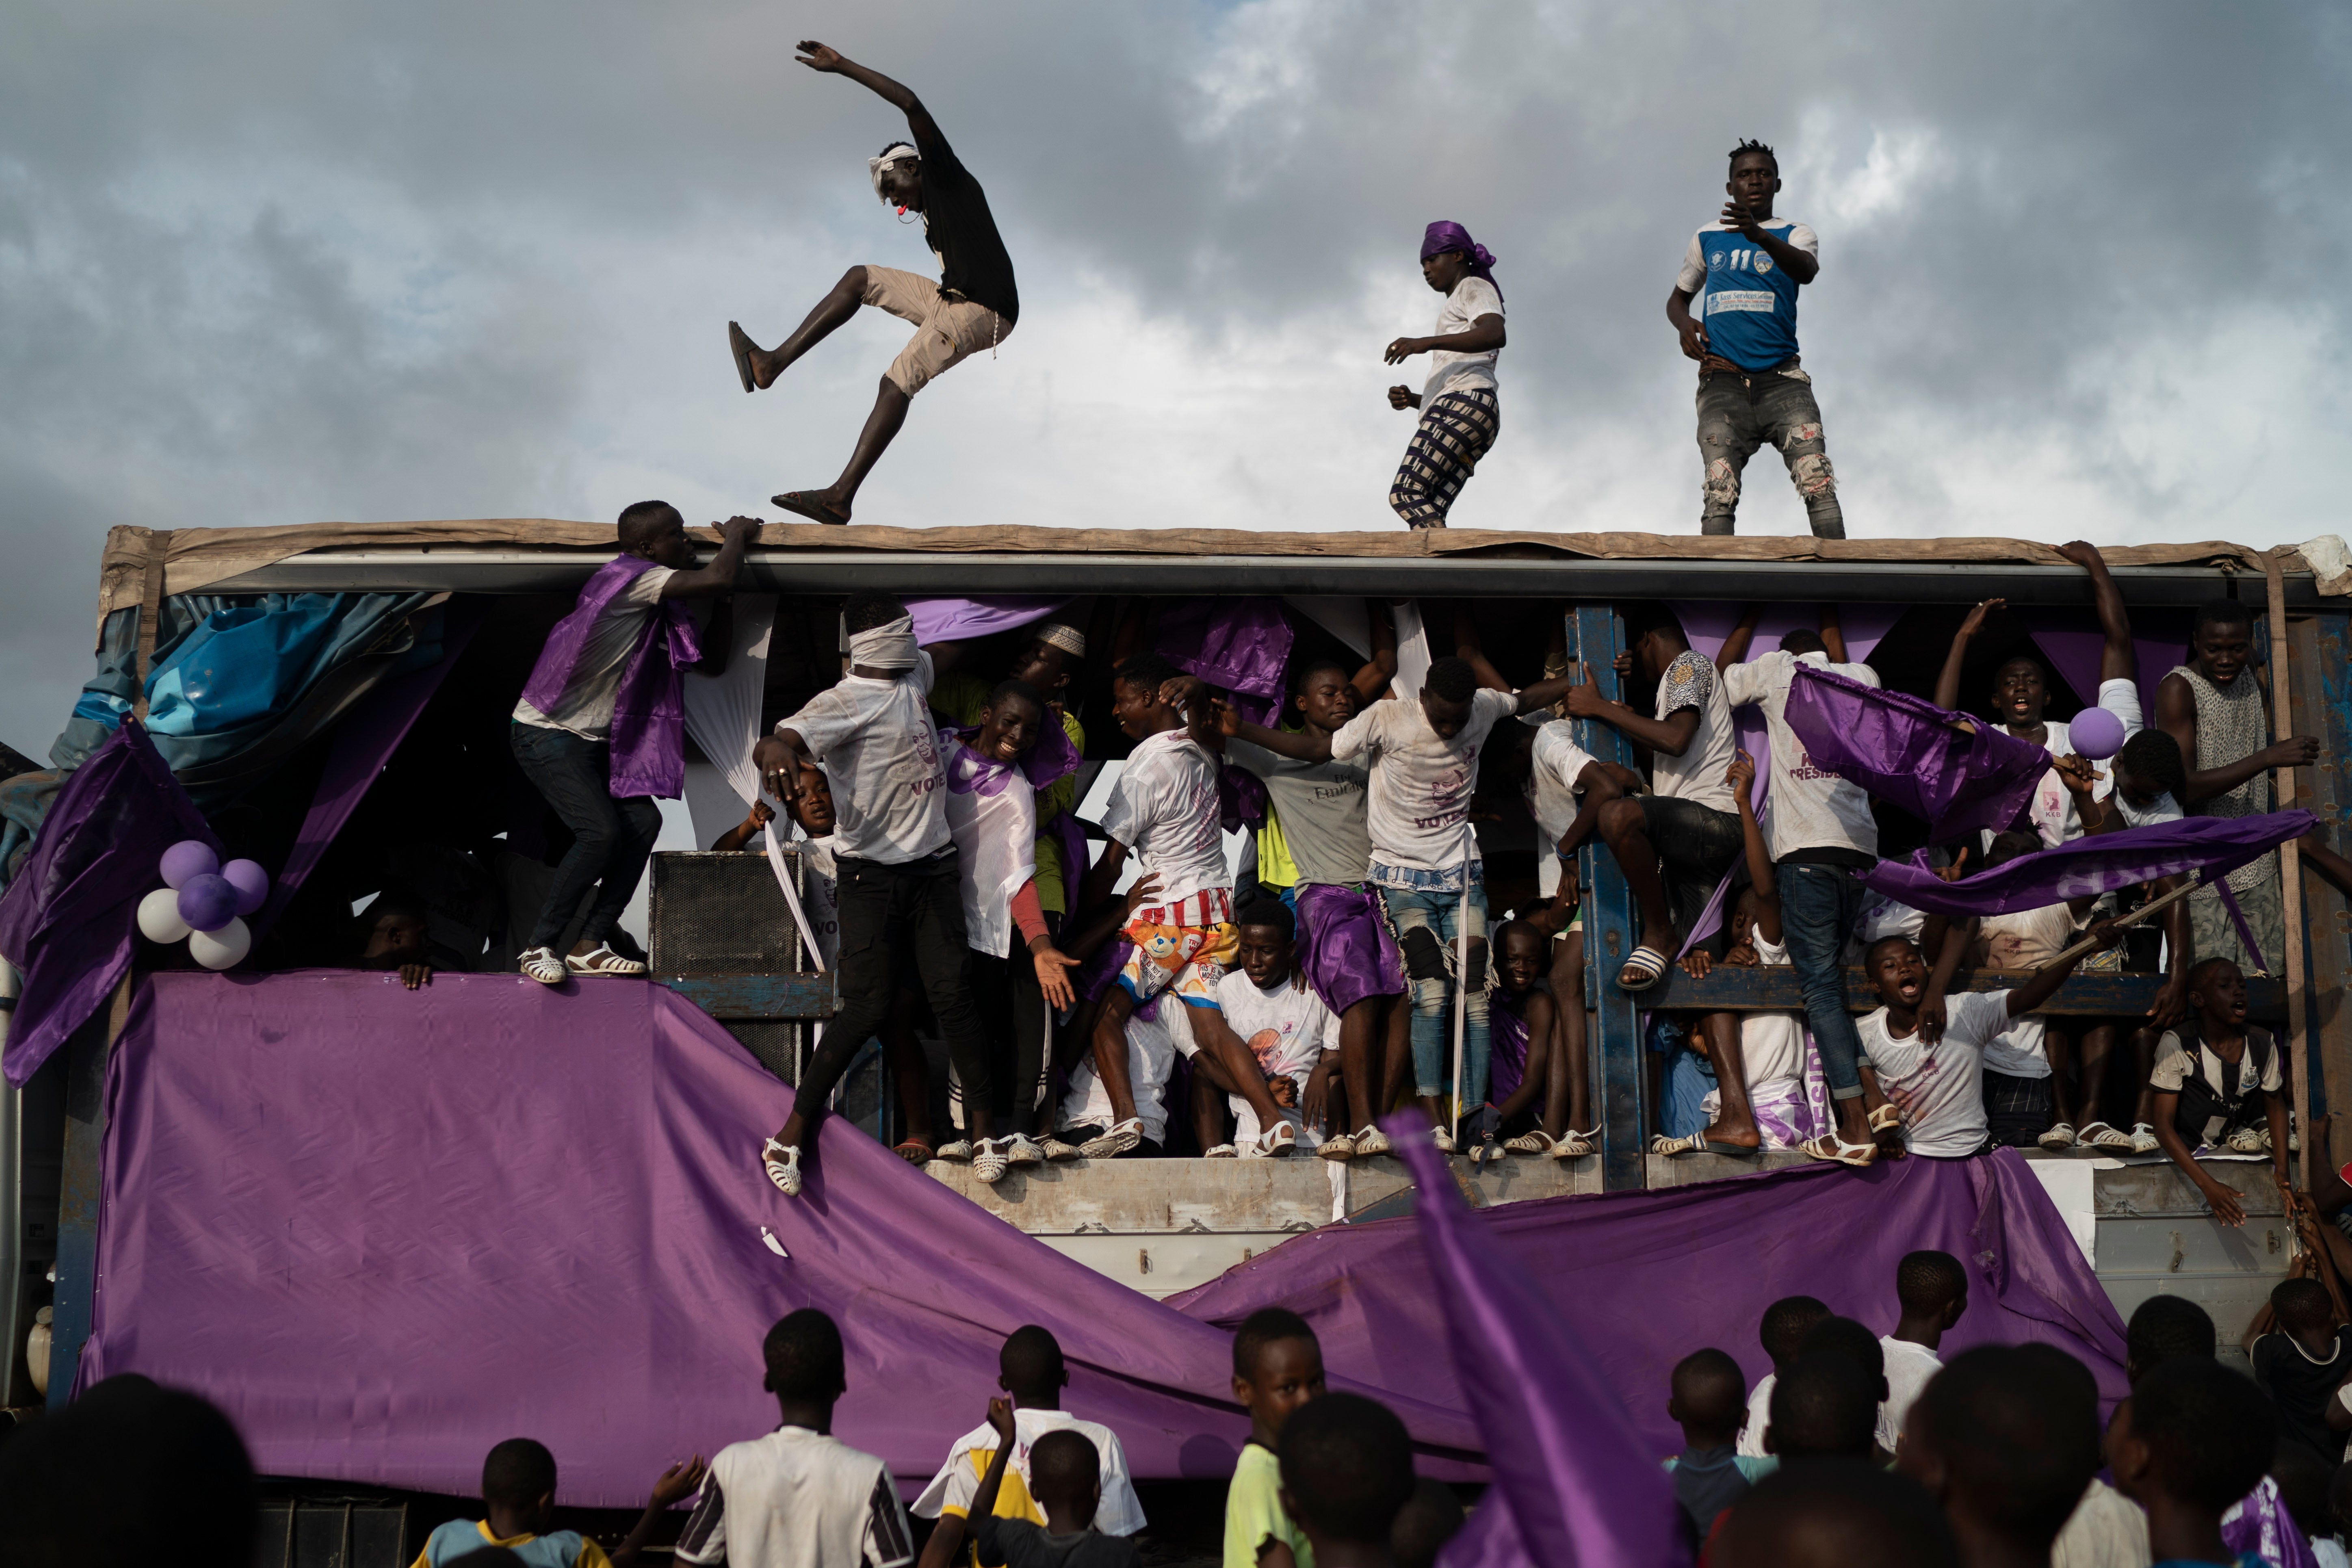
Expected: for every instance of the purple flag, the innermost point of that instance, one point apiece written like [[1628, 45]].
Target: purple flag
[[961, 620], [2086, 867], [1577, 1488], [1913, 755], [1240, 646], [649, 709], [67, 920]]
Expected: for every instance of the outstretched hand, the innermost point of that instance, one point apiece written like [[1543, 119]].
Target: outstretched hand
[[415, 974], [1054, 968], [2295, 752], [817, 56], [1975, 618], [1229, 723], [678, 1482], [1740, 220]]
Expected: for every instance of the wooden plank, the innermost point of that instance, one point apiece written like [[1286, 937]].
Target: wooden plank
[[758, 995], [1748, 990], [1614, 1041], [2321, 647]]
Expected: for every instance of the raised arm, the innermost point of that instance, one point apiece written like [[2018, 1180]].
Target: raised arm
[[1741, 776], [1467, 643], [735, 536], [1300, 745], [1376, 675], [1948, 682], [1735, 646], [2117, 660], [818, 58], [1832, 633]]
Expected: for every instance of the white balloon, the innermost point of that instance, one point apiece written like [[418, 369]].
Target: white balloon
[[223, 948], [159, 916]]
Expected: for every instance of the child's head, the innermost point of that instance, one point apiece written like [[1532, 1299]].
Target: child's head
[[2217, 989], [1709, 1398], [1823, 1407], [393, 932], [2006, 1438], [1895, 968], [1010, 721], [2148, 767], [1932, 1287], [1837, 1516], [2302, 1309], [1030, 1368], [2019, 691], [2011, 846], [1065, 1477], [1801, 642], [2166, 1329], [1446, 695], [1429, 1518], [804, 1362], [518, 1487], [1052, 658], [1740, 931], [2195, 1433], [1522, 956], [1266, 953], [1142, 687], [1845, 1337], [1278, 1367], [1347, 1470], [1322, 693], [1785, 1323], [813, 807]]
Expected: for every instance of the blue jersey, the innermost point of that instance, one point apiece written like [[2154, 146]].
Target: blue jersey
[[1750, 310]]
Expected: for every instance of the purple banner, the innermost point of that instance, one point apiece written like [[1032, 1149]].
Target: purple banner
[[1913, 755], [2084, 868], [1241, 646], [961, 620]]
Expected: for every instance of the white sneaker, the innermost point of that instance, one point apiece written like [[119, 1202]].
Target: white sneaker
[[541, 964], [1370, 1140], [988, 1161], [1338, 1146], [960, 1152], [1021, 1150], [1222, 1152], [783, 1161]]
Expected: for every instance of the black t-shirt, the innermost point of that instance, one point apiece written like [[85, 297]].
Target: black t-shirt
[[972, 261], [2301, 1388], [1020, 1544]]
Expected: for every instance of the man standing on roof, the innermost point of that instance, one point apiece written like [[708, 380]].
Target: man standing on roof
[[972, 307], [1459, 416], [1751, 387]]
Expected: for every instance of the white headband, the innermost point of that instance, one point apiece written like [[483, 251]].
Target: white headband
[[890, 646], [890, 154]]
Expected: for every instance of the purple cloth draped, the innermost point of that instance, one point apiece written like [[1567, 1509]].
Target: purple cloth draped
[[1907, 751], [1241, 798], [1575, 1489], [649, 709], [68, 921], [1239, 645], [2259, 1523], [365, 739], [1344, 945], [1507, 1036], [2099, 863], [377, 1247], [1445, 235], [1618, 1269], [961, 620]]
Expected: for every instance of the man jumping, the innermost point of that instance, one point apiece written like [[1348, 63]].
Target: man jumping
[[972, 307]]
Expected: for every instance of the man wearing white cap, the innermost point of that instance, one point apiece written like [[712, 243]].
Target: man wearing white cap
[[972, 307]]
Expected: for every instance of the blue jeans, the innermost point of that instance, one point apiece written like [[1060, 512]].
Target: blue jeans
[[1442, 914], [1819, 905], [611, 839]]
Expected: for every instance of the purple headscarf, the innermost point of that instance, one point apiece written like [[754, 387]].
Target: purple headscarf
[[1445, 235]]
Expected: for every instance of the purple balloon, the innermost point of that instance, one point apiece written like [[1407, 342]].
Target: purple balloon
[[2095, 733], [251, 883], [208, 902], [187, 859]]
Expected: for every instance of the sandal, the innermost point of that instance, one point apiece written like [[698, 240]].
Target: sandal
[[1222, 1152], [739, 343], [1115, 1142], [988, 1161], [1675, 1148], [914, 1150], [958, 1153], [1647, 965], [1053, 1148], [1338, 1146], [2143, 1139], [1022, 1150], [2099, 1135], [1370, 1140], [1536, 1142], [1280, 1139], [602, 961], [782, 1163], [2060, 1135], [540, 963], [1574, 1146], [1886, 1119], [1830, 1146]]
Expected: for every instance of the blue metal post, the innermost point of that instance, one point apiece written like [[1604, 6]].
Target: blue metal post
[[1614, 1044]]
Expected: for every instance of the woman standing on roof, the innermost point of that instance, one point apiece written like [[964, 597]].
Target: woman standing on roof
[[1459, 414]]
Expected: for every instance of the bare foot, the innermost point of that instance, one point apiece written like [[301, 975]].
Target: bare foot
[[817, 506], [1739, 1134]]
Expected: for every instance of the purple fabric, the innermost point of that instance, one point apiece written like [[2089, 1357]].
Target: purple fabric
[[2099, 863], [1619, 1269], [1507, 1039], [1575, 1489], [1344, 946], [1239, 645], [961, 620], [68, 920], [649, 709], [1908, 753], [1241, 798], [2159, 641], [1073, 839], [382, 1248], [2259, 1523], [1445, 235], [365, 739]]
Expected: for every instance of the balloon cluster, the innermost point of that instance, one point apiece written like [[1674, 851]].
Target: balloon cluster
[[203, 900]]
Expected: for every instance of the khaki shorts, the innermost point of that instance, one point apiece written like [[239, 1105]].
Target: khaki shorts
[[947, 331]]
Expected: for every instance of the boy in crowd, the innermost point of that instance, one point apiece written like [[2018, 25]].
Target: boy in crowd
[[2026, 1093], [1085, 1113], [394, 936], [1062, 1467], [519, 1495], [1277, 1369], [896, 869], [1822, 830], [1346, 1472], [1835, 1517], [1931, 1290], [598, 730], [1782, 1333], [1709, 1400], [1291, 1036], [1524, 1022], [1825, 1406], [1462, 418], [799, 1496], [1849, 1340], [1164, 809], [2217, 1083], [1030, 1370], [2302, 1363], [2006, 1448], [1752, 385], [2191, 1441]]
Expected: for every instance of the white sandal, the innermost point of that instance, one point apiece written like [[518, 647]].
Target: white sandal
[[2060, 1135], [1281, 1138], [540, 963], [1536, 1142], [602, 961], [1115, 1142], [785, 1171], [1831, 1147], [1673, 1148], [1370, 1140], [2099, 1135], [987, 1160], [1574, 1146]]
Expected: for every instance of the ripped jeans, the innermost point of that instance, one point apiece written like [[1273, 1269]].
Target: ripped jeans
[[1441, 913], [1738, 412]]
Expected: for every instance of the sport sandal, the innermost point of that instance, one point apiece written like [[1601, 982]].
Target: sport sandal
[[602, 961], [540, 963], [1117, 1141], [1830, 1146], [783, 1161]]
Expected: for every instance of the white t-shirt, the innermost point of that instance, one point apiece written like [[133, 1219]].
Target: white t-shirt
[[1772, 1045], [587, 706], [2121, 698], [819, 898], [1287, 1029], [1420, 786], [995, 839], [1150, 1057], [1946, 1081], [1164, 809], [1811, 807], [1450, 371], [2023, 939], [1883, 917], [1908, 1368], [1698, 773], [1759, 1417], [951, 1491], [875, 738], [1553, 790], [797, 1499]]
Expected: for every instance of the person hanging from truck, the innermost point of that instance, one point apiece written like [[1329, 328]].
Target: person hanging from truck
[[1459, 416], [600, 729], [973, 306], [1751, 387]]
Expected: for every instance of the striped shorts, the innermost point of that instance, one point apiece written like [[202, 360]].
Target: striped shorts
[[1455, 430]]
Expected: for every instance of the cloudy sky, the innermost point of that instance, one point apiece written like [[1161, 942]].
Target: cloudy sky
[[274, 263]]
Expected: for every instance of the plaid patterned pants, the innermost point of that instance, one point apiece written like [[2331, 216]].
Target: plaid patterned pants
[[1455, 430]]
